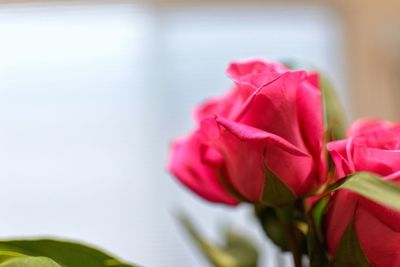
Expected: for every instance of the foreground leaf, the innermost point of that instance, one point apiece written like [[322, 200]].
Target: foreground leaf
[[237, 251], [66, 254], [374, 188], [30, 262]]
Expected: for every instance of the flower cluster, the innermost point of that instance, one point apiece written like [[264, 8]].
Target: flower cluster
[[266, 142]]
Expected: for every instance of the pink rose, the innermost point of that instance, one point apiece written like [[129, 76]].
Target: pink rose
[[372, 146], [271, 118]]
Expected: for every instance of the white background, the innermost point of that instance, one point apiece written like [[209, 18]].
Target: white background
[[90, 96]]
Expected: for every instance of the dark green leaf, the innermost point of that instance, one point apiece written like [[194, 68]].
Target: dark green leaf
[[276, 193], [30, 262], [67, 254], [334, 118], [374, 188], [273, 227], [350, 253], [237, 251]]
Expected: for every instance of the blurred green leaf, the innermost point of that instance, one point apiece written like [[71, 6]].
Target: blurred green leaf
[[66, 254], [334, 118], [237, 251], [30, 262], [372, 187], [350, 253]]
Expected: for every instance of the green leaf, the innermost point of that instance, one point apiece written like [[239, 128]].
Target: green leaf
[[30, 262], [237, 251], [373, 187], [276, 193], [350, 253], [66, 254], [273, 227], [334, 118]]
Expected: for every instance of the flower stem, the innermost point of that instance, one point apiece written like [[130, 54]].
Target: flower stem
[[293, 245], [286, 217]]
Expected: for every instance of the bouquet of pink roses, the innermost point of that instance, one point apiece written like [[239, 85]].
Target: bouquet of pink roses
[[276, 140]]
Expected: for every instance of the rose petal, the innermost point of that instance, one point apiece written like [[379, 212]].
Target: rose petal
[[309, 116], [379, 161], [364, 126], [246, 150], [341, 209], [273, 108], [386, 215], [227, 105], [338, 152], [380, 243], [200, 176], [254, 72]]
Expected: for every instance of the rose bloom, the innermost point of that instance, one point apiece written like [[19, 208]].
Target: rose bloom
[[372, 146], [271, 118]]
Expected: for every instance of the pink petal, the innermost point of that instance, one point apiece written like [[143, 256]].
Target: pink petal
[[338, 152], [273, 108], [380, 242], [387, 215], [341, 210], [379, 161], [364, 126], [227, 105], [309, 115], [245, 150], [199, 175], [254, 72]]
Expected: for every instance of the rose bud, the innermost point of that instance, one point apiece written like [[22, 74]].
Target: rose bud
[[266, 130], [372, 146]]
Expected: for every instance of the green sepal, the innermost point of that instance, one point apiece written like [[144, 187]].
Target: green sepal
[[373, 187], [237, 250], [284, 226], [275, 192], [350, 253], [29, 262]]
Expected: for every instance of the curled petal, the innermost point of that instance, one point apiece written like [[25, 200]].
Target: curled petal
[[338, 152]]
